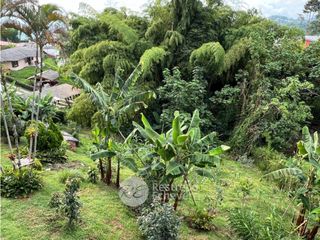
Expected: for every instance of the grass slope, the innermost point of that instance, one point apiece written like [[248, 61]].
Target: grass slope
[[105, 217]]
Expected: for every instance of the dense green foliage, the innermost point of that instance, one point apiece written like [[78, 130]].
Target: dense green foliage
[[248, 226], [19, 183], [199, 72], [159, 221], [251, 79]]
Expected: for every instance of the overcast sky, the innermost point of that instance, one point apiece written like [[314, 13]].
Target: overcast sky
[[290, 8]]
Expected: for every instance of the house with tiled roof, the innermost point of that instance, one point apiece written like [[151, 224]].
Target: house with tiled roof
[[18, 57]]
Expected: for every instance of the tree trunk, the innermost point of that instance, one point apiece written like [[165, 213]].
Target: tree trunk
[[5, 123], [34, 97], [177, 199], [101, 170], [313, 233], [15, 120], [118, 174], [39, 99], [109, 172]]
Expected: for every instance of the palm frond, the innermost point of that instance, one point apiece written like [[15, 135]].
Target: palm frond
[[128, 34]]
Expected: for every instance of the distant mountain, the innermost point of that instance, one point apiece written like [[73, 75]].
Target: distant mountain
[[283, 20]]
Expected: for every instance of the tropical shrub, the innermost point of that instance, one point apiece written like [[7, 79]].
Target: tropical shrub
[[93, 175], [202, 219], [50, 145], [249, 226], [178, 95], [307, 171], [68, 204], [72, 204], [52, 156], [268, 159], [82, 110], [159, 221], [177, 152], [19, 183]]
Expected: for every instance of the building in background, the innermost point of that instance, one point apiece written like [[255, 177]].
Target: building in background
[[17, 58], [310, 39]]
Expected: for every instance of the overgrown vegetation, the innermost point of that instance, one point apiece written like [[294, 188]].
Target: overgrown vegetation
[[205, 78]]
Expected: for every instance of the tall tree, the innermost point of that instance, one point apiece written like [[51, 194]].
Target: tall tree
[[42, 24]]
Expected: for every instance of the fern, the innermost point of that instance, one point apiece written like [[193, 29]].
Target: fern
[[128, 34], [151, 57], [235, 53], [210, 55], [173, 39]]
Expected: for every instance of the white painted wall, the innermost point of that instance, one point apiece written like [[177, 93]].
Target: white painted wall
[[22, 64]]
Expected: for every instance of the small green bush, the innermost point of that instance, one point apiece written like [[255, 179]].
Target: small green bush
[[48, 137], [70, 174], [17, 183], [202, 219], [268, 160], [50, 145], [158, 222], [72, 204], [68, 204], [52, 156], [37, 165], [56, 201], [245, 187], [93, 175], [248, 226]]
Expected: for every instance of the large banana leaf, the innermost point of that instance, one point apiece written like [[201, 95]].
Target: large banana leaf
[[130, 163], [174, 168], [204, 173], [285, 173], [176, 130], [218, 150], [97, 96], [102, 154]]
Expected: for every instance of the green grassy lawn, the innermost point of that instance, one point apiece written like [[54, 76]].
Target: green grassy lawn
[[23, 74], [105, 217]]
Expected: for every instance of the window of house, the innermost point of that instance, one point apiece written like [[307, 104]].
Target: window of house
[[14, 63]]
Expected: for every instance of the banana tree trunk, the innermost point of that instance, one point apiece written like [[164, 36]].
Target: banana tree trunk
[[313, 233], [118, 174], [101, 170], [109, 172], [39, 99]]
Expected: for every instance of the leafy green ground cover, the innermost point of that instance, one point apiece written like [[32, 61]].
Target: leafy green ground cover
[[105, 217]]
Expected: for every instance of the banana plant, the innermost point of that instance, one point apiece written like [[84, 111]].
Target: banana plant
[[108, 150], [178, 152], [115, 107], [308, 172]]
